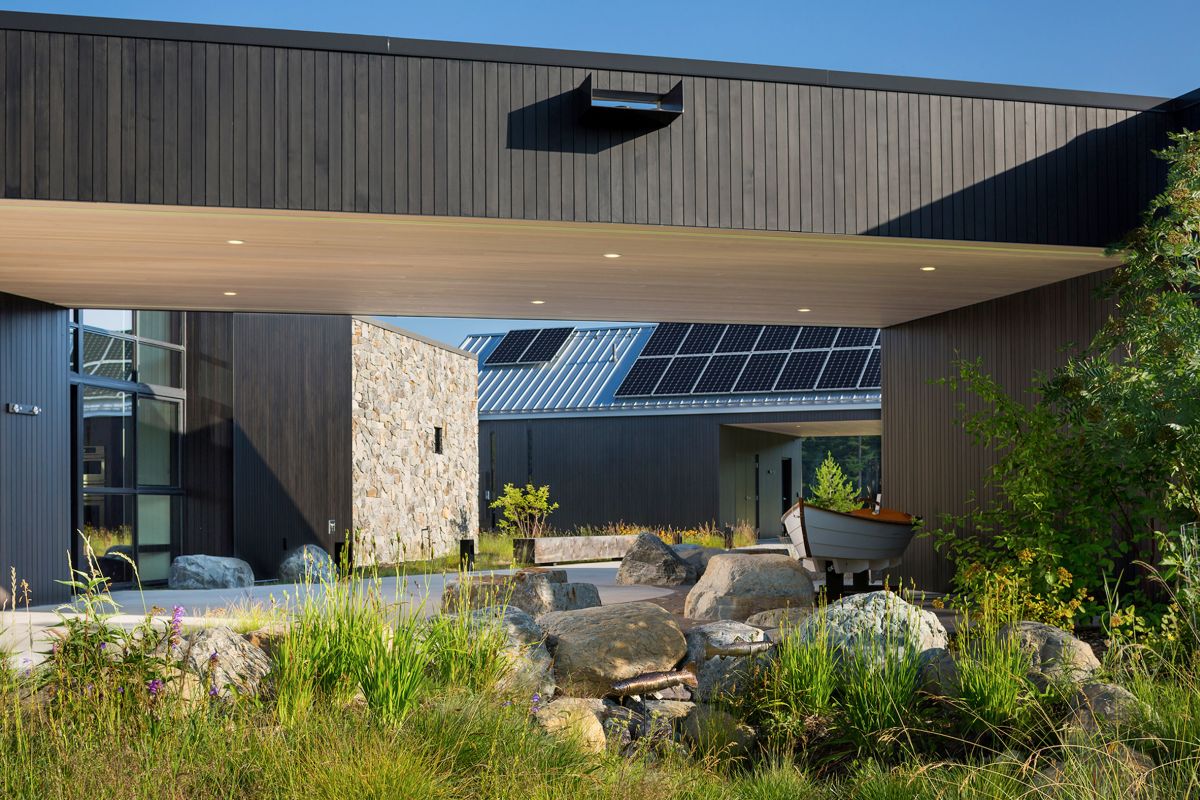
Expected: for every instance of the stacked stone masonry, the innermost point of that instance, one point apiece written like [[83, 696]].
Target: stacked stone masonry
[[410, 501]]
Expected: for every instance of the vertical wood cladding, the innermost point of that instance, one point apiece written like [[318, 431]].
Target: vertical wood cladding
[[267, 453], [208, 436], [35, 451], [649, 470], [291, 436], [930, 466], [114, 118]]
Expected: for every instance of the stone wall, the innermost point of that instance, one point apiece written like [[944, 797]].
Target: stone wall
[[411, 502]]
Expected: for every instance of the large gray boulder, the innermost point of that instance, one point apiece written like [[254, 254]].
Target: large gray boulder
[[593, 648], [738, 585], [877, 625], [576, 719], [307, 564], [776, 618], [718, 733], [650, 562], [535, 591], [530, 670], [1055, 656], [1098, 706], [725, 654], [697, 555], [222, 661], [209, 572]]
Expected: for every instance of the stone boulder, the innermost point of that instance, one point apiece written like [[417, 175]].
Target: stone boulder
[[939, 674], [788, 618], [714, 732], [307, 564], [530, 670], [697, 555], [535, 591], [1055, 656], [209, 572], [650, 562], [223, 661], [877, 624], [737, 585], [725, 656], [593, 648], [575, 718], [1099, 706]]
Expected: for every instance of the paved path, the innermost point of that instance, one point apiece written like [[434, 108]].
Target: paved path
[[26, 632]]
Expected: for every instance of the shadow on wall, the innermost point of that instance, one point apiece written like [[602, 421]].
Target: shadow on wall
[[1089, 191], [558, 125]]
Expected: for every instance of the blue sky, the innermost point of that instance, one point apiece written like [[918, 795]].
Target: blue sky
[[1098, 45]]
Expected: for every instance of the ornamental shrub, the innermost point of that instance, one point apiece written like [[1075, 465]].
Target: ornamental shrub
[[525, 510]]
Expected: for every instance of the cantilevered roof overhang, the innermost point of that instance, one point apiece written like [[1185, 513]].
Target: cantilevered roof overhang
[[172, 257]]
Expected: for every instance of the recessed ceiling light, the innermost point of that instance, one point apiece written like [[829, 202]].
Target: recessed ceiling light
[[234, 241], [538, 302], [612, 255], [230, 294], [928, 269], [804, 310]]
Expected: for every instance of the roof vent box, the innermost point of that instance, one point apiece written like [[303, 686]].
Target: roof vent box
[[615, 107]]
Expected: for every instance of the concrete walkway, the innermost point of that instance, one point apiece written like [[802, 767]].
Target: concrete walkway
[[27, 632]]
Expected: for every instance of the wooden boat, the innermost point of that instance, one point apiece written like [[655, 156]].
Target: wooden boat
[[849, 542]]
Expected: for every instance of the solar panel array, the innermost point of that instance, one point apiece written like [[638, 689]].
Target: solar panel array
[[530, 346], [702, 358]]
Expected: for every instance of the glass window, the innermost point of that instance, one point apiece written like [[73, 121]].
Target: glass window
[[162, 326], [158, 442], [159, 366], [108, 523], [107, 437], [157, 522], [107, 357], [107, 319]]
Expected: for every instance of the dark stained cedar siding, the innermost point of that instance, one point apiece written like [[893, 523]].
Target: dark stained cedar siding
[[35, 451], [653, 470], [208, 435], [929, 465], [115, 118], [291, 434]]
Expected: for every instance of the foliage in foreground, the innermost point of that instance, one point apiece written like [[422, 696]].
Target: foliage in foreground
[[1111, 441]]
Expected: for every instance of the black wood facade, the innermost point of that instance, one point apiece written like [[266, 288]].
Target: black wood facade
[[659, 470], [35, 449], [267, 459], [105, 110]]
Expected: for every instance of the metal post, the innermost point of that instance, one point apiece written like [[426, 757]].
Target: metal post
[[728, 531], [466, 554]]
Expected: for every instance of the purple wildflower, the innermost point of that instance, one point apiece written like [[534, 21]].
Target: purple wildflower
[[213, 691], [103, 645], [176, 625], [154, 687]]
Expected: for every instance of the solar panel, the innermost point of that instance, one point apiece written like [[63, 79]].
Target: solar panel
[[761, 372], [511, 347], [666, 338], [719, 376], [739, 338], [870, 376], [800, 372], [546, 345], [843, 369], [643, 376], [702, 338], [681, 375], [815, 338], [856, 337], [777, 337]]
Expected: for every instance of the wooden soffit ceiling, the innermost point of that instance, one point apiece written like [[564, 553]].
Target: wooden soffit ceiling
[[169, 257]]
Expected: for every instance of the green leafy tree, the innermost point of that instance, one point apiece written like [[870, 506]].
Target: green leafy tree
[[833, 490], [525, 510], [1107, 450]]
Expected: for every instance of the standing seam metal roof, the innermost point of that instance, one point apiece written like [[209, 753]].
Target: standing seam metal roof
[[583, 377]]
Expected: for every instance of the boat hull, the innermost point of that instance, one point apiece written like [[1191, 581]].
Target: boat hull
[[848, 543]]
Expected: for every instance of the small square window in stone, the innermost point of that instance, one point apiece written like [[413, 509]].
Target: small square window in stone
[[437, 441]]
